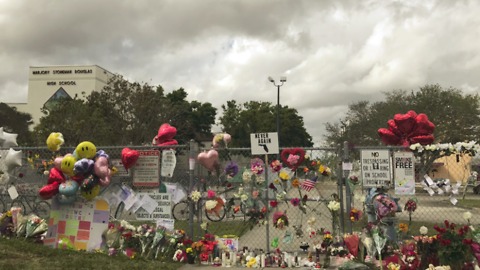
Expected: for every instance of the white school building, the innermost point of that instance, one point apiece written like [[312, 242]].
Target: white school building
[[49, 83]]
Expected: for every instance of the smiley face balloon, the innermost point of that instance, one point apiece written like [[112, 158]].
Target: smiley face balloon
[[86, 150], [92, 193], [68, 163]]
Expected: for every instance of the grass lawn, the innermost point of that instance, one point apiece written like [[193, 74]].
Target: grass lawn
[[18, 253], [468, 203]]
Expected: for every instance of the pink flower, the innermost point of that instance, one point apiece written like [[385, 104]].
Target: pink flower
[[211, 194], [293, 159]]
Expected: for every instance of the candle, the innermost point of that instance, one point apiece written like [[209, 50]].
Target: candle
[[224, 259], [262, 260]]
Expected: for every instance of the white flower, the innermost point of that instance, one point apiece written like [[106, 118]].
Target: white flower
[[210, 204], [204, 226], [311, 221], [260, 179], [333, 206], [359, 197], [247, 176], [281, 196], [423, 230], [196, 195], [467, 216], [244, 197]]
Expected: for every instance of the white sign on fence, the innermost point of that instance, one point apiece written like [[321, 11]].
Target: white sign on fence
[[163, 209], [375, 168], [146, 170], [264, 143], [404, 173], [169, 161]]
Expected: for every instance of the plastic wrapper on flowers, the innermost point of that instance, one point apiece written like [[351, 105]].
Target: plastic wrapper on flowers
[[6, 224], [35, 226]]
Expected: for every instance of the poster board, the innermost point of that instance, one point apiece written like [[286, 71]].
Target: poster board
[[82, 223]]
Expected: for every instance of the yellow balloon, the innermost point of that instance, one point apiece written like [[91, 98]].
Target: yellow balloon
[[86, 150], [54, 141], [68, 163], [92, 193]]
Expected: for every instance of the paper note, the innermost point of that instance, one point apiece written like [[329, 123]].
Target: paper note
[[12, 191], [149, 204]]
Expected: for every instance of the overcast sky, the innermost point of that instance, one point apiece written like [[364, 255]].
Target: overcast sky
[[332, 52]]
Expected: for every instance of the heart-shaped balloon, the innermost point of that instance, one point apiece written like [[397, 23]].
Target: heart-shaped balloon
[[209, 159], [55, 176], [166, 132], [407, 129], [129, 157], [293, 157], [48, 191]]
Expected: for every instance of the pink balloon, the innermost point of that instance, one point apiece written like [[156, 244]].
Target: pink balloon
[[57, 163], [100, 167], [209, 159], [102, 170]]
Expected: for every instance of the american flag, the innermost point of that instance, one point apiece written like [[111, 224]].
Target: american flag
[[309, 184]]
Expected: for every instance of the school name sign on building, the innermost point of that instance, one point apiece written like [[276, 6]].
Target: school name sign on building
[[264, 143], [376, 168]]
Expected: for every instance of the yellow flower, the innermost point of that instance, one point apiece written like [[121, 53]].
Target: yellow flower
[[189, 250], [284, 175], [403, 227]]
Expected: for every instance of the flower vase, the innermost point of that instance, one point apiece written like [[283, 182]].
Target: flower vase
[[190, 259]]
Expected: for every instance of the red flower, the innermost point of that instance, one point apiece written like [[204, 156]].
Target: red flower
[[273, 203]]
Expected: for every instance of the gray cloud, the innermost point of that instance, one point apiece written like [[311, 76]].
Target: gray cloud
[[333, 52]]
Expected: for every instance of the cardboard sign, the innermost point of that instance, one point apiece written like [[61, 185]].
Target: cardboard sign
[[163, 209], [376, 168], [264, 143], [404, 172]]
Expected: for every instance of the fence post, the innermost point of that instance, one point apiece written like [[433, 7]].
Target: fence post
[[191, 167], [340, 181], [348, 192]]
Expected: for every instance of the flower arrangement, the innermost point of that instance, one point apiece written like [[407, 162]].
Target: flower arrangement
[[257, 166], [355, 214], [280, 220], [196, 195], [276, 166]]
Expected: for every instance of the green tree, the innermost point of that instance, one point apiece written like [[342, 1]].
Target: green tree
[[456, 116], [125, 113], [16, 122], [253, 117]]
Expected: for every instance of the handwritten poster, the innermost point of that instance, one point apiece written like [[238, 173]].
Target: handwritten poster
[[81, 223]]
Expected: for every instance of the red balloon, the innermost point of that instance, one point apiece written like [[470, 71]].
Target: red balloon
[[48, 191], [129, 157], [55, 175], [407, 129], [165, 135]]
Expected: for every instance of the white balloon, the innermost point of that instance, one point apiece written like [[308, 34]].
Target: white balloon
[[13, 160], [2, 138], [10, 140]]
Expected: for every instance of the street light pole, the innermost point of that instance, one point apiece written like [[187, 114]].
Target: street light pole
[[282, 81]]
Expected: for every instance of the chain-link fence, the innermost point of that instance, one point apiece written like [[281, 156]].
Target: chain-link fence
[[246, 192]]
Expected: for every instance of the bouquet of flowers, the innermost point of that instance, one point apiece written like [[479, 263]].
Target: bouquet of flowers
[[334, 207], [280, 220], [454, 244], [6, 224], [385, 206], [145, 233], [35, 226]]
